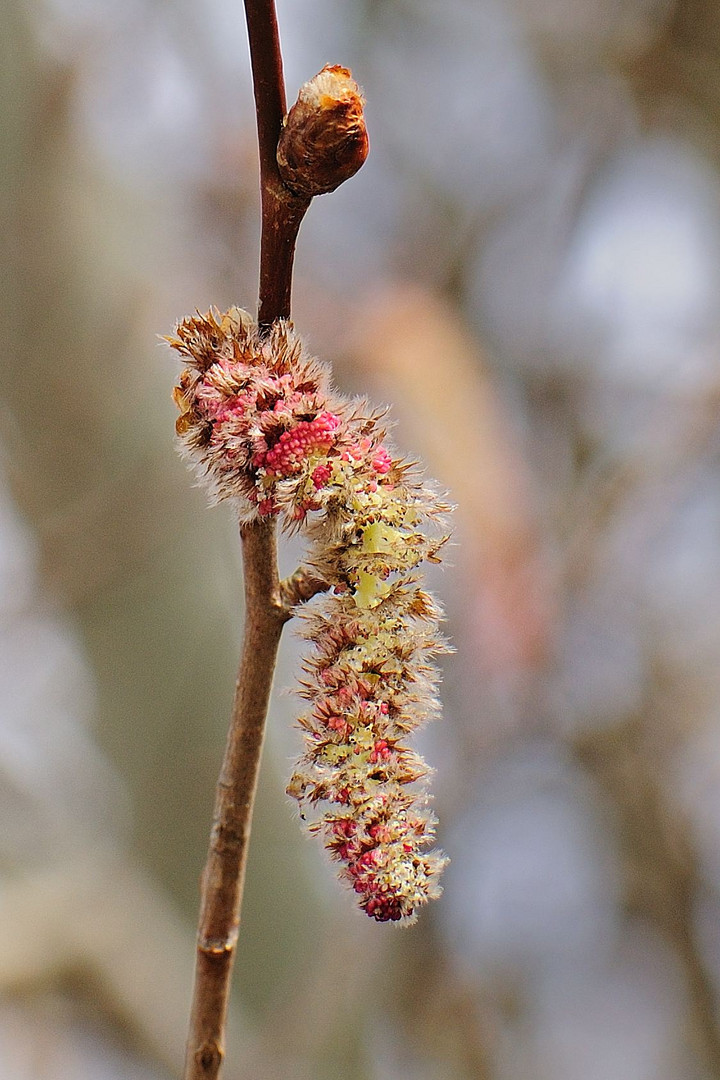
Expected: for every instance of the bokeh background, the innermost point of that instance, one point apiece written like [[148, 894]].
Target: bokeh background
[[528, 268]]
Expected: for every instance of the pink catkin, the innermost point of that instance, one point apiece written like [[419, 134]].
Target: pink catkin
[[264, 427]]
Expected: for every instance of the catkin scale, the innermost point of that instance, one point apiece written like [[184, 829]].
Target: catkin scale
[[263, 426]]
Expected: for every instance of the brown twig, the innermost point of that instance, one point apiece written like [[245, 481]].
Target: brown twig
[[223, 877], [299, 588], [662, 873], [282, 211], [268, 602], [265, 612]]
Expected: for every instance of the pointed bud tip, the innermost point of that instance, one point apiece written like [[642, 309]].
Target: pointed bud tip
[[324, 139]]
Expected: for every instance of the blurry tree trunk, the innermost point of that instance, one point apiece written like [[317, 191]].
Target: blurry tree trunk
[[661, 871], [676, 74]]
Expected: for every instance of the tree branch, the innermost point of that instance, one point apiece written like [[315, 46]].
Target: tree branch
[[224, 875], [268, 602], [282, 211], [299, 588]]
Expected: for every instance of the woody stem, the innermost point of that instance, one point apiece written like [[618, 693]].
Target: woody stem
[[267, 605]]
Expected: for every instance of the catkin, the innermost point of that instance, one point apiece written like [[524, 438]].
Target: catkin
[[263, 426]]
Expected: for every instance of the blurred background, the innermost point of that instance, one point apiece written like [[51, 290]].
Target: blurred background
[[527, 268]]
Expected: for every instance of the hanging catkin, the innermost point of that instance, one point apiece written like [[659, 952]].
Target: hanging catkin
[[263, 426]]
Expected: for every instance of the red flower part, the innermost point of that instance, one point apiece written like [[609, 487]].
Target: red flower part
[[381, 460], [294, 446], [383, 908], [320, 475], [344, 827], [381, 751]]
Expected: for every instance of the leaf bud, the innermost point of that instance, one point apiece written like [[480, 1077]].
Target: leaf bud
[[323, 140]]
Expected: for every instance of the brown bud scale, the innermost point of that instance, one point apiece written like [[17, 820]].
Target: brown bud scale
[[324, 140]]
